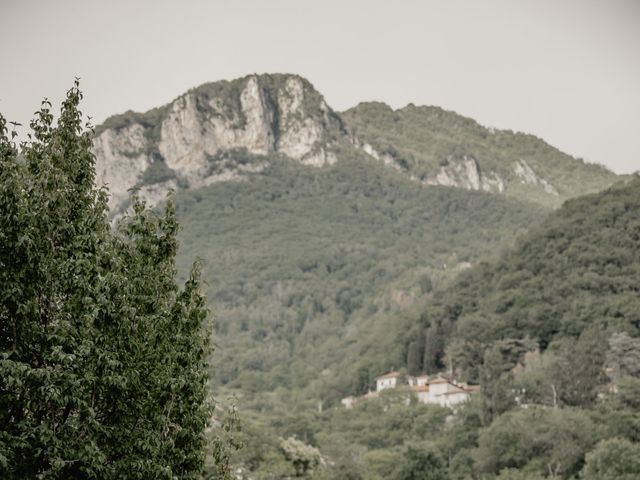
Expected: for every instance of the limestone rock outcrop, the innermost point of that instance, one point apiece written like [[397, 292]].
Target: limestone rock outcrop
[[121, 159], [253, 118], [526, 175], [464, 172], [226, 131]]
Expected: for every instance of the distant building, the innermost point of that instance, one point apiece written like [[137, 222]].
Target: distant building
[[430, 390], [421, 392], [388, 380], [446, 393]]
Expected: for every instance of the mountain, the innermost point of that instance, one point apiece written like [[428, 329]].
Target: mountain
[[216, 132], [223, 131], [439, 147], [310, 270], [338, 246], [319, 229]]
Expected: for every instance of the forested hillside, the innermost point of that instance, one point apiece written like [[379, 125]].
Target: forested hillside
[[578, 270], [549, 329], [309, 270]]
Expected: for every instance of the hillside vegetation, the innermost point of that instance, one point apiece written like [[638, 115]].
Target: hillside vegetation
[[549, 329], [423, 139], [579, 269], [308, 269]]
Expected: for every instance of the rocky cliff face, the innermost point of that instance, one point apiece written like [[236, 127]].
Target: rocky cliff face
[[464, 172], [225, 130], [121, 159], [216, 132], [526, 175]]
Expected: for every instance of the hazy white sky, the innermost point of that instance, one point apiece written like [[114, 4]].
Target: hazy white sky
[[565, 70]]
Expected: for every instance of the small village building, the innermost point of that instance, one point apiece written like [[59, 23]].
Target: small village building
[[429, 390], [446, 393], [421, 392], [420, 380], [388, 380], [454, 397], [438, 386]]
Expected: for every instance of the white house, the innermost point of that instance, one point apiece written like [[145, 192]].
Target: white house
[[388, 380], [421, 392], [445, 393], [437, 390], [455, 397], [438, 387]]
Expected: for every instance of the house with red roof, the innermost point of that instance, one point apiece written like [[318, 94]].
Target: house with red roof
[[436, 390], [446, 393]]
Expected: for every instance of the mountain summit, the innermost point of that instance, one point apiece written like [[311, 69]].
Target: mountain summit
[[216, 132], [226, 130]]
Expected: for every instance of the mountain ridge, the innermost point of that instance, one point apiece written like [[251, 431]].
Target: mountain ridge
[[225, 130], [436, 145]]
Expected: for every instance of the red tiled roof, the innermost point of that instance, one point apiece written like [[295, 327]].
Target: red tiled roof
[[420, 388]]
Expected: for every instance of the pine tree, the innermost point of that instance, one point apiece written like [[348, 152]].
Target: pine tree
[[102, 354]]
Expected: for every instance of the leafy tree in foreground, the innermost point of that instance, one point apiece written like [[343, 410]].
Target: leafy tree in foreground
[[102, 355]]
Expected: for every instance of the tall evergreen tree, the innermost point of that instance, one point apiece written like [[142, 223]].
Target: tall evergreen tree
[[102, 354]]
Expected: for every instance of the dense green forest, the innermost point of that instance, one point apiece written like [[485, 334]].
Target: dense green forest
[[580, 269], [559, 397], [311, 271]]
